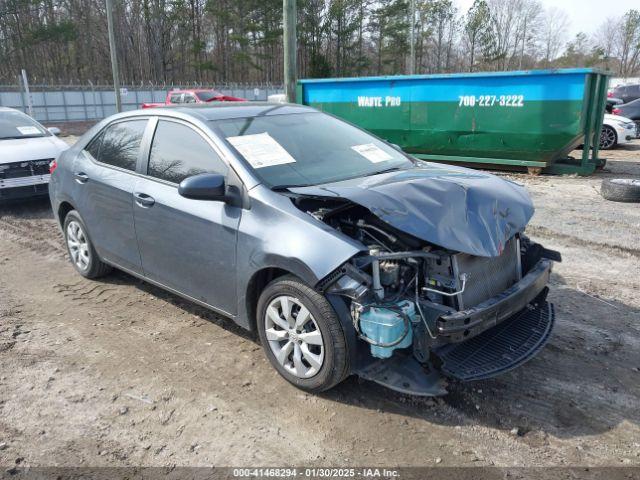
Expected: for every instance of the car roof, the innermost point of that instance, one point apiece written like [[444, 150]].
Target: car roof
[[225, 110], [8, 109], [178, 90]]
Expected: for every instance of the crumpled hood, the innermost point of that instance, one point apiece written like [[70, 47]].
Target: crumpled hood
[[35, 148], [453, 207]]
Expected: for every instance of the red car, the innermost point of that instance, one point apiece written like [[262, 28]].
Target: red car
[[179, 97]]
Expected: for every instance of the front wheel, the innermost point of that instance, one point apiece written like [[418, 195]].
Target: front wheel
[[302, 335], [608, 138]]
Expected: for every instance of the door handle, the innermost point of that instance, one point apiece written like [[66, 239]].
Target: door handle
[[81, 177], [144, 200]]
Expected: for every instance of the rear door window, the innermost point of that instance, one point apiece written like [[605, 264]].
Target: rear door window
[[620, 90], [178, 152], [94, 146], [119, 144]]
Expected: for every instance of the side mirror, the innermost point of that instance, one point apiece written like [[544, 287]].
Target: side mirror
[[54, 130], [205, 186]]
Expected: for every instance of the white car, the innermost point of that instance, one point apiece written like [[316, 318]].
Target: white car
[[616, 130], [26, 150]]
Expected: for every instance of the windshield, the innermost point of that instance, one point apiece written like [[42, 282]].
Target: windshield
[[308, 148], [208, 95], [18, 125]]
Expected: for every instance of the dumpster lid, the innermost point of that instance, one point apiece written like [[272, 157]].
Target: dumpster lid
[[515, 73], [453, 207]]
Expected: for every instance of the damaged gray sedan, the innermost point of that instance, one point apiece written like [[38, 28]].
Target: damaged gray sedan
[[344, 254]]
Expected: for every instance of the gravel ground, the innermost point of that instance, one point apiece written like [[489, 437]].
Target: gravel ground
[[117, 372]]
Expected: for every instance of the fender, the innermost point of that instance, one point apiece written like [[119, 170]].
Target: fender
[[273, 233]]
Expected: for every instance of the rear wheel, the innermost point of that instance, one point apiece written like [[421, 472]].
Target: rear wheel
[[302, 335], [81, 252], [608, 138]]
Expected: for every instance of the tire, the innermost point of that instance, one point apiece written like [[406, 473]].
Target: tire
[[608, 138], [82, 254], [279, 337], [621, 190]]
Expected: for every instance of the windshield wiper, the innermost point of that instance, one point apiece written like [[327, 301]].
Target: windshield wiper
[[18, 137], [279, 188], [386, 170]]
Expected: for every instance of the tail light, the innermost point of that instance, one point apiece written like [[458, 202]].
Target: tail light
[[52, 166], [609, 94], [616, 111]]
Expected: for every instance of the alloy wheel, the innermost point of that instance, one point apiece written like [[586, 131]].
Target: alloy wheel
[[294, 336], [607, 138], [78, 245]]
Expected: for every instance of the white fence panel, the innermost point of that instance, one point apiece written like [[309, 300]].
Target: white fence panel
[[82, 103]]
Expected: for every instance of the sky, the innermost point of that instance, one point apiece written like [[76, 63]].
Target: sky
[[585, 15]]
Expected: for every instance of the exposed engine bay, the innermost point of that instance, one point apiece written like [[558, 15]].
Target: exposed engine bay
[[410, 295]]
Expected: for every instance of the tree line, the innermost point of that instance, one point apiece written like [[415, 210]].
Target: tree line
[[178, 41]]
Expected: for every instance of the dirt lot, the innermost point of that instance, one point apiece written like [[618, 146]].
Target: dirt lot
[[118, 372]]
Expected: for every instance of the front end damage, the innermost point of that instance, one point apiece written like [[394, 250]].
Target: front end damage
[[423, 312]]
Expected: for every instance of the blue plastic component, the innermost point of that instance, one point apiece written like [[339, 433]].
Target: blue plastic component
[[385, 325]]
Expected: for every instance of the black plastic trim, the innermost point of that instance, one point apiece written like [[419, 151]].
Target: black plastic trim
[[501, 348]]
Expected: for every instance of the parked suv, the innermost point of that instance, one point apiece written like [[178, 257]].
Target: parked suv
[[626, 93], [345, 254]]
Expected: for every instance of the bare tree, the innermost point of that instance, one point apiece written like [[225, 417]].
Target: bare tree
[[605, 39], [216, 41], [553, 33], [475, 29], [628, 43]]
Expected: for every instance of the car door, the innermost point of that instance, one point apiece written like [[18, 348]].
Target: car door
[[104, 179], [187, 245]]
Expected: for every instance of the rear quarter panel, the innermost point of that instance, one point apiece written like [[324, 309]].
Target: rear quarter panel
[[61, 183]]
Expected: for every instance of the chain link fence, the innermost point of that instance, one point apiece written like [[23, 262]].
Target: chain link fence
[[71, 103]]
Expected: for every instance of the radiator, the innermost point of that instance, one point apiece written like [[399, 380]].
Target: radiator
[[487, 276]]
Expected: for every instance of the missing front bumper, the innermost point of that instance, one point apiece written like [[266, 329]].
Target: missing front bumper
[[487, 340]]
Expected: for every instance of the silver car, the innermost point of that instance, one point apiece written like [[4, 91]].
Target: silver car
[[345, 255]]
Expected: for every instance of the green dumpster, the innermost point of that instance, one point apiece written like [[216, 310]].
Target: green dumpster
[[526, 119]]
